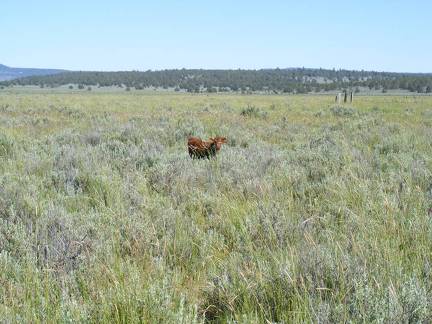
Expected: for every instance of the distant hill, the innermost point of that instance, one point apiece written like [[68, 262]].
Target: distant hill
[[291, 80], [10, 73]]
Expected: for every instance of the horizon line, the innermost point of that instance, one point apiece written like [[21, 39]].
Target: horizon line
[[218, 69]]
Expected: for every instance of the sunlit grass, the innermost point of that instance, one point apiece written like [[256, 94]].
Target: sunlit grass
[[312, 212]]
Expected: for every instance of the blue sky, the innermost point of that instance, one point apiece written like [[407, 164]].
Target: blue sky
[[130, 34]]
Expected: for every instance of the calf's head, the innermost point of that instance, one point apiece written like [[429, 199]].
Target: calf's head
[[218, 140]]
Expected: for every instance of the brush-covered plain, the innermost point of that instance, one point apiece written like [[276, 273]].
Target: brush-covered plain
[[311, 213]]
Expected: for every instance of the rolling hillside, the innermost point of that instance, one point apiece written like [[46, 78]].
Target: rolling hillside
[[10, 73], [293, 80]]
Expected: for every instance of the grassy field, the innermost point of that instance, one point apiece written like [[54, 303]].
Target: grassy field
[[311, 213]]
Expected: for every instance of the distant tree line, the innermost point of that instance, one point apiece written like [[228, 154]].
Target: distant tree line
[[295, 80]]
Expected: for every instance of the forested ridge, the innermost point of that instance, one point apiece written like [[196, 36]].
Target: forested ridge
[[293, 80]]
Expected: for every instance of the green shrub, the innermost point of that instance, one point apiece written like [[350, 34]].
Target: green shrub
[[6, 146], [252, 111]]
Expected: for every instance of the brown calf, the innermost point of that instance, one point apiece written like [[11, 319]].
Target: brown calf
[[199, 149]]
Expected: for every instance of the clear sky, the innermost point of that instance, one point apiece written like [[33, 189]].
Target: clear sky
[[140, 35]]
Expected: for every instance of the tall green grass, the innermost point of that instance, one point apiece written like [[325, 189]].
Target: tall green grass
[[311, 213]]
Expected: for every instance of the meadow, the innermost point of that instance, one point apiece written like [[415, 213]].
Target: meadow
[[312, 212]]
